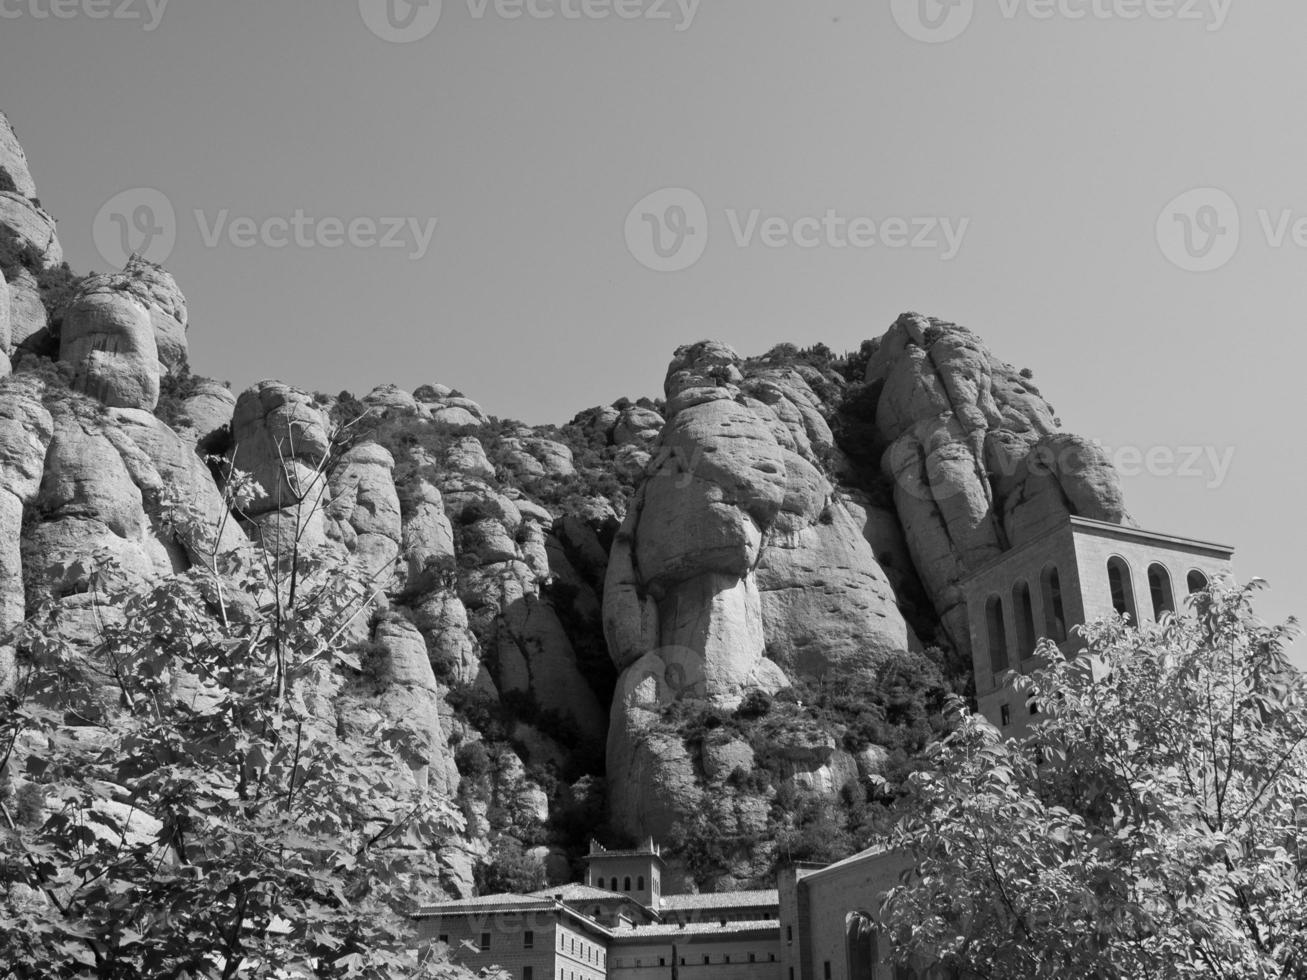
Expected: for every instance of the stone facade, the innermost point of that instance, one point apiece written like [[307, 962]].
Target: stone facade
[[819, 924], [1074, 573]]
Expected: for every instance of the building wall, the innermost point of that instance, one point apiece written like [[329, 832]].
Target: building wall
[[1026, 564], [853, 887], [1080, 553], [579, 955], [1094, 550], [508, 933], [728, 959]]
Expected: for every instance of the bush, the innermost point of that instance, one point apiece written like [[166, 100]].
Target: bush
[[473, 761], [755, 705], [509, 870]]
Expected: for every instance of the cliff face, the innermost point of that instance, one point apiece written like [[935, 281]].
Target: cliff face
[[637, 618]]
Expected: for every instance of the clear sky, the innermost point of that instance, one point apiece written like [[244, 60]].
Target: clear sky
[[1050, 136]]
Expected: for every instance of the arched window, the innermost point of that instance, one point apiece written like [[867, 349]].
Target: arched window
[[1050, 588], [1159, 587], [626, 884], [1025, 620], [639, 883], [860, 946], [1197, 581], [997, 633], [1123, 588]]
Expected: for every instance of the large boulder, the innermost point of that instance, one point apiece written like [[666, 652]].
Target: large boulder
[[14, 174], [26, 225], [108, 338], [208, 408], [974, 456], [154, 288], [27, 314], [364, 510], [25, 432], [282, 440], [741, 568]]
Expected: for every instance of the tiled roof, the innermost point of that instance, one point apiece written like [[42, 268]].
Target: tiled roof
[[578, 892], [485, 901], [720, 900], [697, 929]]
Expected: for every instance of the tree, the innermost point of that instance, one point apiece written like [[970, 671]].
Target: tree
[[1149, 826], [185, 806]]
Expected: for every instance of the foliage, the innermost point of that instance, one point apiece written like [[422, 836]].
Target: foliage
[[174, 388], [509, 870], [1151, 825], [196, 813], [58, 284]]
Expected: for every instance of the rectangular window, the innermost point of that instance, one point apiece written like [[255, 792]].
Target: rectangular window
[[1005, 715], [825, 970], [528, 940], [485, 941], [789, 934], [528, 973]]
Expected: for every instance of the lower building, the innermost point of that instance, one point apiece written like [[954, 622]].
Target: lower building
[[818, 924]]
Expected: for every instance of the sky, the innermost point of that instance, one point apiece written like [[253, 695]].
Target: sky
[[537, 201]]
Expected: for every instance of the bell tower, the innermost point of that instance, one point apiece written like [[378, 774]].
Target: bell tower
[[636, 873]]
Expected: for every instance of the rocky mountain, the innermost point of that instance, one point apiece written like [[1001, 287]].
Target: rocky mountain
[[725, 618]]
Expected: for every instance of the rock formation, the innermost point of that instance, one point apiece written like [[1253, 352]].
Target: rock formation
[[623, 596]]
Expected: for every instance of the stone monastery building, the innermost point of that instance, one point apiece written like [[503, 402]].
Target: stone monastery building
[[820, 922]]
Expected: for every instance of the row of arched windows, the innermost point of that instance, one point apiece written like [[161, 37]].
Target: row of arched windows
[[1054, 625], [1120, 582], [626, 884], [1161, 595]]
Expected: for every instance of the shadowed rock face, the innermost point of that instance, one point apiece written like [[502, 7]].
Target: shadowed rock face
[[748, 562], [974, 457], [742, 567]]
